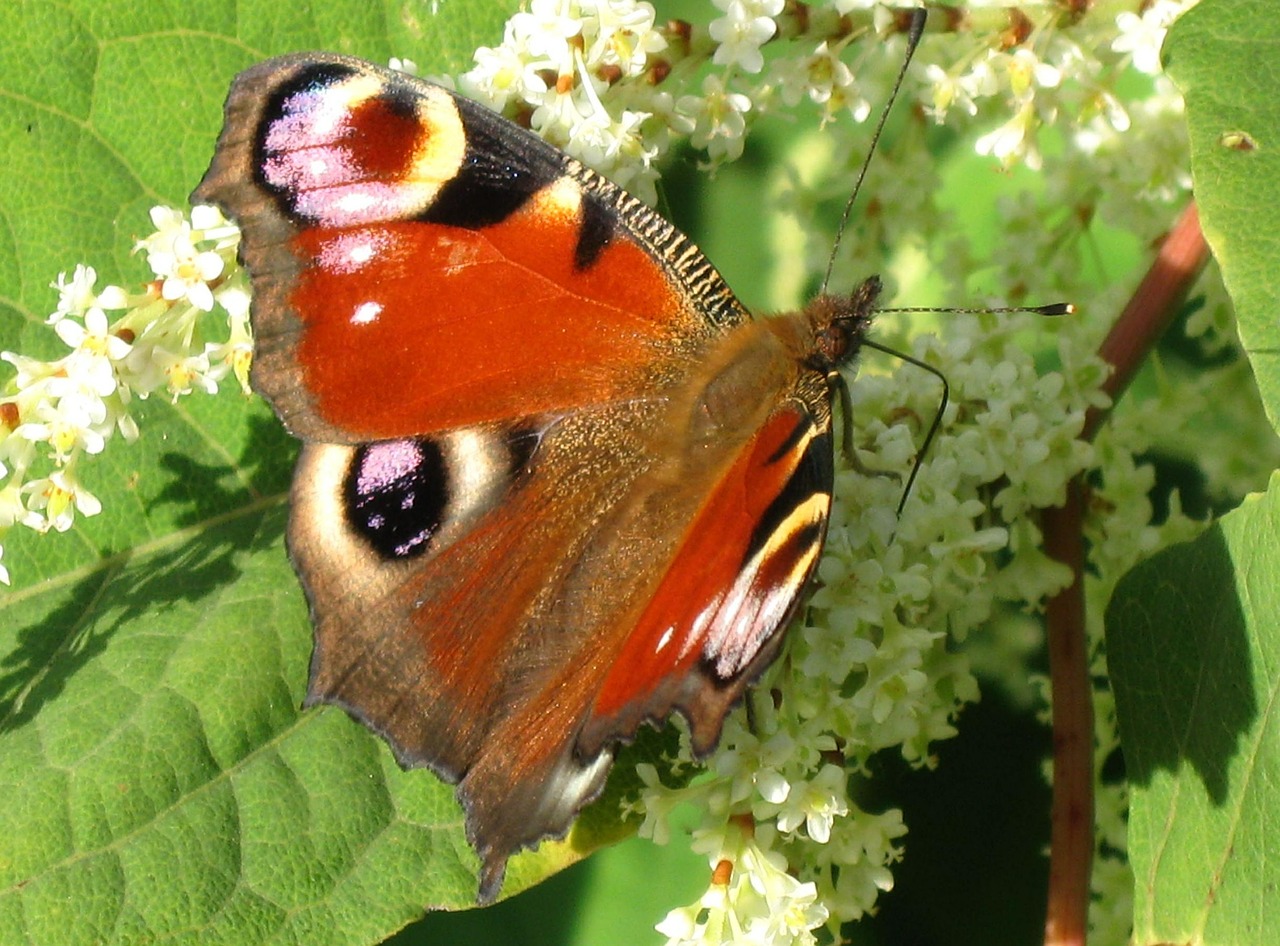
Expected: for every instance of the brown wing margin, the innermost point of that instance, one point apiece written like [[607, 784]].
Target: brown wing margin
[[714, 622]]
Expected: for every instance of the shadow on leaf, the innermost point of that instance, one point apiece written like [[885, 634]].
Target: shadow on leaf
[[1178, 645], [71, 625], [202, 491]]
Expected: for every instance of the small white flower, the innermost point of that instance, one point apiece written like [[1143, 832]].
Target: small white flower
[[559, 114], [94, 336], [60, 496], [544, 33], [71, 425], [772, 786], [1028, 72], [31, 371], [745, 27], [791, 909], [113, 297], [720, 117], [816, 804], [864, 846], [948, 91], [1010, 141], [500, 75], [623, 36], [209, 224], [183, 372], [12, 509], [752, 899], [75, 295], [169, 223], [85, 370], [657, 803], [602, 142], [186, 271], [826, 79], [681, 926], [1142, 36], [237, 350]]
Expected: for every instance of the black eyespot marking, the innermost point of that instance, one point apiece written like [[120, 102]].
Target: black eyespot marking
[[595, 233], [480, 194], [813, 476], [504, 166], [395, 495]]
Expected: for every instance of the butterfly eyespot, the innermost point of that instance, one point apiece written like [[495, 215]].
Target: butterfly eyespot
[[396, 496]]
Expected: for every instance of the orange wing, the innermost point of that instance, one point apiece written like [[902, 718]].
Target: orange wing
[[529, 635], [420, 264]]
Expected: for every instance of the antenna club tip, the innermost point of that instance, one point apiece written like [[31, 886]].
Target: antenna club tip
[[1056, 308]]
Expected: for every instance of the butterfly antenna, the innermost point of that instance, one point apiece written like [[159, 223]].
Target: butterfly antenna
[[1053, 308], [914, 31], [937, 416]]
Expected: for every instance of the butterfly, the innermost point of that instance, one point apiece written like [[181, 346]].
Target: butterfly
[[555, 481]]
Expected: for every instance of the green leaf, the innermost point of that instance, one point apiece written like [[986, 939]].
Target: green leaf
[[1193, 635], [1219, 54], [1193, 639], [160, 781]]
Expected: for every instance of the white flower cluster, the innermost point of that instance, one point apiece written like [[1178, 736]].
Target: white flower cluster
[[592, 76], [752, 897], [66, 409], [554, 64], [1044, 70], [873, 666]]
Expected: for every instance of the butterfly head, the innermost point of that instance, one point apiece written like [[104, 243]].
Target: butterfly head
[[840, 323]]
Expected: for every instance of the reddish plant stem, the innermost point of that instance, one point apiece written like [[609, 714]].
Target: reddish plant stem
[[1071, 833], [1151, 308], [1153, 305]]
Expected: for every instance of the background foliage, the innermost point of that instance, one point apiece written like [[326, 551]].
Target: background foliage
[[160, 782]]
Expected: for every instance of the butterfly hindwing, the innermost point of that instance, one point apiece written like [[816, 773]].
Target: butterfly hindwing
[[488, 639]]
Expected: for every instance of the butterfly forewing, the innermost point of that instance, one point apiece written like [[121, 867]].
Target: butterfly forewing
[[413, 255]]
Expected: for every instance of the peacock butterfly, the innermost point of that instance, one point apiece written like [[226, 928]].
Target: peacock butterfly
[[555, 480]]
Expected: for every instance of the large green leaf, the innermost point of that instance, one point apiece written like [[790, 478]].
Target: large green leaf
[[1193, 635], [1222, 54], [1194, 642], [160, 782]]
